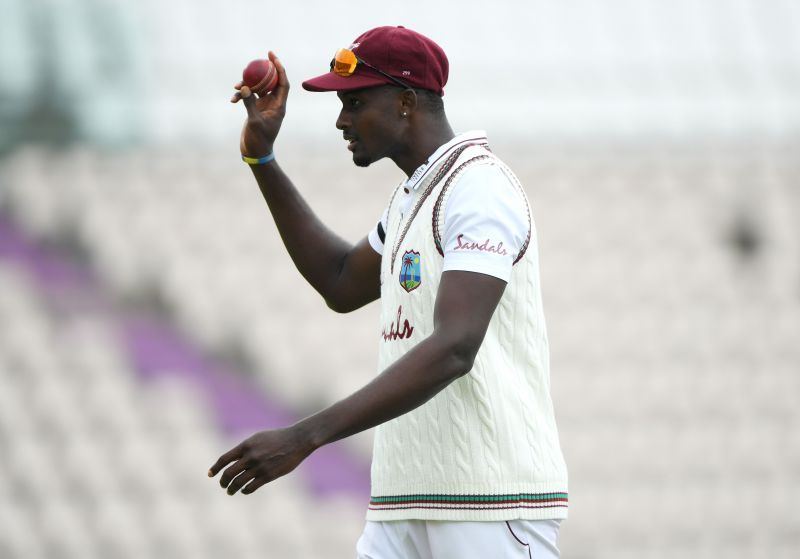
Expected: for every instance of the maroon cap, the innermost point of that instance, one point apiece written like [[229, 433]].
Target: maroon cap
[[402, 53]]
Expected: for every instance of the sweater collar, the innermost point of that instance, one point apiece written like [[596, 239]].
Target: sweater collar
[[416, 179]]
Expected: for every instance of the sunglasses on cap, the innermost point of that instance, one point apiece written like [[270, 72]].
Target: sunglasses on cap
[[345, 62]]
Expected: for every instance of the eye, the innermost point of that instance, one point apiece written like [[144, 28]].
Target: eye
[[354, 102]]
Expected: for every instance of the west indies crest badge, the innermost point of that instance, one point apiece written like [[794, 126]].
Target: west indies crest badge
[[410, 276]]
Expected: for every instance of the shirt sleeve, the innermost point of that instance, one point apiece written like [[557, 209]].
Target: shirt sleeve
[[377, 235], [486, 223]]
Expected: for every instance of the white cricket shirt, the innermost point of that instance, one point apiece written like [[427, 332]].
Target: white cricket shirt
[[484, 208]]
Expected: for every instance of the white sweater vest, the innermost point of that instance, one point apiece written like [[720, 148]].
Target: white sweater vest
[[486, 447]]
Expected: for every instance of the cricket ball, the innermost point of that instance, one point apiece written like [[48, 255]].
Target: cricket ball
[[260, 76]]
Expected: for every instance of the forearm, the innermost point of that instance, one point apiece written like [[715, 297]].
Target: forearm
[[405, 385], [317, 252], [411, 381]]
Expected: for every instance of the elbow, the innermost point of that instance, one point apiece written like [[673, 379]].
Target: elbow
[[342, 302], [338, 306], [335, 299], [461, 357], [341, 305]]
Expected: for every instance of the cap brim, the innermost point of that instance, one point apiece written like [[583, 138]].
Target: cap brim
[[334, 82]]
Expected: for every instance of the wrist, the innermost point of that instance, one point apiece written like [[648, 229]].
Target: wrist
[[263, 160], [307, 432]]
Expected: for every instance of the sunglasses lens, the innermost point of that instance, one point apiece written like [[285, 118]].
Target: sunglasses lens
[[344, 62]]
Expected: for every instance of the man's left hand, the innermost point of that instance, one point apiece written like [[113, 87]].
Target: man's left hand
[[262, 458]]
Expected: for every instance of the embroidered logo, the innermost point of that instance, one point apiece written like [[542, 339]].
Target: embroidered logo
[[395, 329], [410, 276], [485, 246]]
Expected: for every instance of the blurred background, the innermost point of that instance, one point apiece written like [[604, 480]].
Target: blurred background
[[150, 318]]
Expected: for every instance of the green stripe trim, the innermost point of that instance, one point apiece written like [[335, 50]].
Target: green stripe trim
[[480, 499]]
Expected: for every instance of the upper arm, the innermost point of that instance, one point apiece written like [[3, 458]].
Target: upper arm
[[465, 303], [358, 281], [486, 224]]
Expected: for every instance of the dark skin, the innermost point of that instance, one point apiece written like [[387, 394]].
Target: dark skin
[[378, 122]]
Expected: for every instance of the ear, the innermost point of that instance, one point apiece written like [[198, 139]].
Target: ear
[[408, 101]]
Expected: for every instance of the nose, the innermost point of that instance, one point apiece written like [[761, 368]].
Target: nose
[[342, 122]]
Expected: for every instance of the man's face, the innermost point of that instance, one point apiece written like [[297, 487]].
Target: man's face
[[370, 121]]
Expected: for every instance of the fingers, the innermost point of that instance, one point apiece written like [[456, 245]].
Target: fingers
[[238, 475], [230, 473], [249, 100], [235, 476], [253, 485], [240, 480], [243, 92], [238, 95], [282, 89], [233, 454]]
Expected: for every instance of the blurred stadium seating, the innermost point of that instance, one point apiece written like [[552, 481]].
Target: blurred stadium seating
[[675, 354], [150, 318]]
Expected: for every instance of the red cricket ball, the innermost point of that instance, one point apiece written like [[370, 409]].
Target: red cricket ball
[[260, 76]]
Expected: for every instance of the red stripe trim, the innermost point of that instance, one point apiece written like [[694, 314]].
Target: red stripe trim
[[468, 507], [477, 502]]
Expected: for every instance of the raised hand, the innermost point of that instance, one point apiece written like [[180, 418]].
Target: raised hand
[[264, 114]]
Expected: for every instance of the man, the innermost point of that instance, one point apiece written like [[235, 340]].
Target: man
[[466, 456]]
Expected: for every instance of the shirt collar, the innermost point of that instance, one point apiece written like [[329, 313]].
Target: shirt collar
[[415, 180]]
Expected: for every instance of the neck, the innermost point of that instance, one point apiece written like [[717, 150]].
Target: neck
[[421, 141]]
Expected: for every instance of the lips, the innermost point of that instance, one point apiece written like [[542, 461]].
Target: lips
[[351, 142]]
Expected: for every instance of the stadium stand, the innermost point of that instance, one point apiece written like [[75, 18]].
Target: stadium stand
[[674, 351], [150, 318]]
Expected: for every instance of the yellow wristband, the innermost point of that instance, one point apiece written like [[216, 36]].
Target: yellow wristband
[[260, 160]]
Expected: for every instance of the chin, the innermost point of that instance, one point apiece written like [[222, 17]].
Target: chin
[[361, 160]]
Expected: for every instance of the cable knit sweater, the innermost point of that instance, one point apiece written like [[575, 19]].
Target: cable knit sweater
[[486, 447]]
